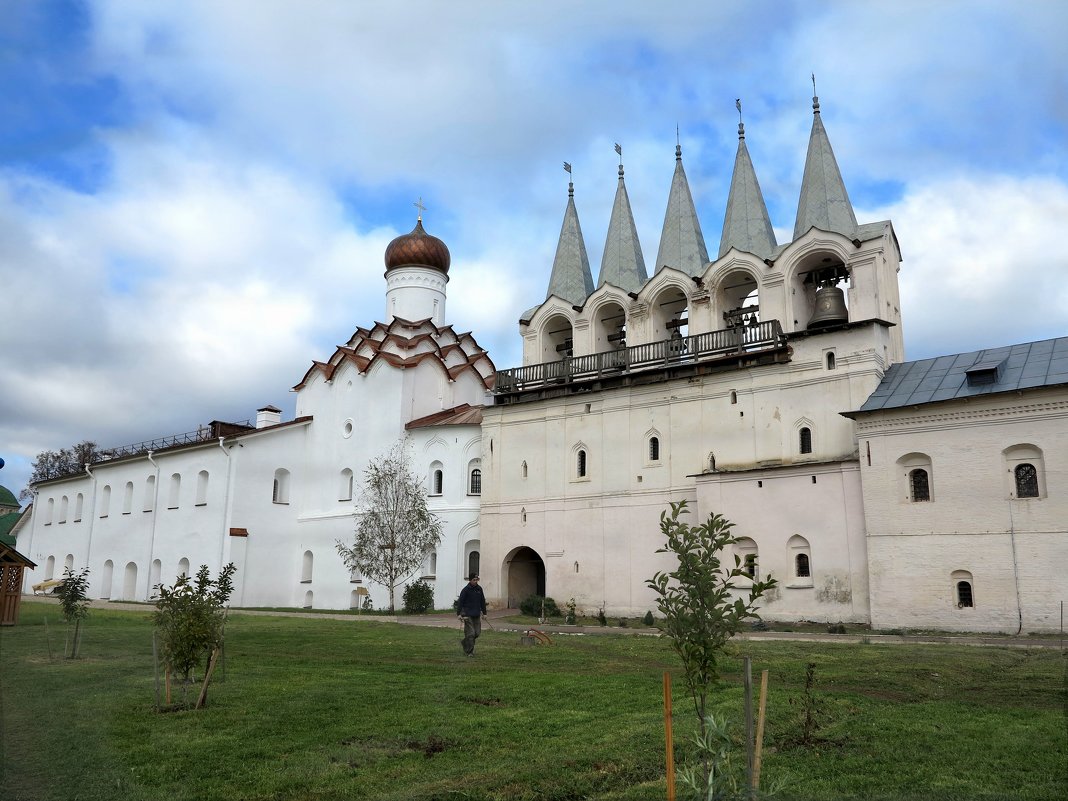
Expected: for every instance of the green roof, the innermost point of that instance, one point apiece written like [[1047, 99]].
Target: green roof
[[7, 498]]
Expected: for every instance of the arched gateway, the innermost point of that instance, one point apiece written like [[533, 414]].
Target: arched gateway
[[524, 574]]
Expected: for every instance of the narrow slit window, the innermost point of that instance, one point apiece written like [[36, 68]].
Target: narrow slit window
[[654, 449], [805, 440], [581, 464], [476, 482], [919, 486]]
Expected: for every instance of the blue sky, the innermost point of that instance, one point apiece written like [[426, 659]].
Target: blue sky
[[195, 197]]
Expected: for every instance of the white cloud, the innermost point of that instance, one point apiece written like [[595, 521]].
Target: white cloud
[[983, 264]]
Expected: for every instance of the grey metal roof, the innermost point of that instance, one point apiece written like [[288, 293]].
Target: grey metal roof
[[1026, 366], [746, 225], [682, 245], [622, 264], [571, 278], [824, 203]]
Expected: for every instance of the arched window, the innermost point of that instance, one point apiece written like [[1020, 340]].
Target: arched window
[[654, 449], [50, 508], [50, 568], [345, 489], [745, 549], [919, 485], [355, 577], [150, 494], [106, 579], [129, 582], [916, 478], [309, 599], [734, 397], [1026, 475], [63, 503], [183, 567], [830, 360], [202, 488], [79, 501], [127, 500], [472, 563], [154, 576], [175, 491], [105, 500], [801, 567], [524, 469], [430, 565], [437, 478], [963, 596], [474, 477], [280, 491], [306, 568], [354, 599], [805, 440], [580, 464], [68, 563]]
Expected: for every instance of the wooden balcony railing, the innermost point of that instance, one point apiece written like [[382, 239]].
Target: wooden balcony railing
[[680, 350]]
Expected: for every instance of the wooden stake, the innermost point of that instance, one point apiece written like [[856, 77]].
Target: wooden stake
[[155, 667], [760, 729], [747, 684], [167, 686], [669, 743], [207, 677]]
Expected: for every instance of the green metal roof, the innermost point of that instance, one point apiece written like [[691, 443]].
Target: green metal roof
[[7, 498]]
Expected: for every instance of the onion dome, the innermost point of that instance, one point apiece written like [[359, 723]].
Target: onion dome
[[418, 249]]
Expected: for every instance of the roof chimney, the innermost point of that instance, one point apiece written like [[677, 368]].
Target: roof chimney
[[268, 416]]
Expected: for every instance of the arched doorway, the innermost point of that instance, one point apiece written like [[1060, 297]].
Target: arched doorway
[[525, 575]]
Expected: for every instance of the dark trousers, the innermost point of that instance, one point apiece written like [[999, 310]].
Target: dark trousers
[[472, 628]]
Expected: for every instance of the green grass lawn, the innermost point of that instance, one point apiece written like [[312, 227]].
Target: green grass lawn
[[329, 709]]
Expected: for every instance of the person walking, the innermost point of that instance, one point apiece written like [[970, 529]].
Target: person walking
[[472, 608]]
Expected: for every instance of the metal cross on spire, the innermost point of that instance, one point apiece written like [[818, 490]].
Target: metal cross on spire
[[419, 205]]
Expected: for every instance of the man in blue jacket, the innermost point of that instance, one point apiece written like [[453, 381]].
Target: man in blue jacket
[[472, 608]]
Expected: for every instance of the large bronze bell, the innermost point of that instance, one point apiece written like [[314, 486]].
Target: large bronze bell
[[830, 308]]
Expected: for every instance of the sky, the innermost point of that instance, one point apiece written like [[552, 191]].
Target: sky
[[195, 197]]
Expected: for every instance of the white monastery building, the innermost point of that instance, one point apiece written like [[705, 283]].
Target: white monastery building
[[768, 384]]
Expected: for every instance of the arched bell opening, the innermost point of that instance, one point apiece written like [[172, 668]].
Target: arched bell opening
[[737, 300], [669, 315], [524, 573], [817, 292], [557, 339], [609, 328]]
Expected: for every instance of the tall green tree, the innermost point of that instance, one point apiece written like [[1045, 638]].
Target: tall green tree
[[74, 601], [64, 462], [701, 602], [394, 530]]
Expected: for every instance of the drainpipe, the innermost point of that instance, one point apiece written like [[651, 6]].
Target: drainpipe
[[92, 513], [152, 535], [1015, 571], [228, 515]]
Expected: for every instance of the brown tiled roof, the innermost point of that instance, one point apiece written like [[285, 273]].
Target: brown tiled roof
[[463, 415]]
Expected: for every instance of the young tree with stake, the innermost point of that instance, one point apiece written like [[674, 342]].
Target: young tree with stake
[[700, 606], [394, 529]]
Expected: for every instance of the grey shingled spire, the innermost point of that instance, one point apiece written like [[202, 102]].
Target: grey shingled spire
[[622, 264], [682, 245], [746, 225], [571, 278], [824, 203]]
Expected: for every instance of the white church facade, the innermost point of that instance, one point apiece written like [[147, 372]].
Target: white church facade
[[768, 384]]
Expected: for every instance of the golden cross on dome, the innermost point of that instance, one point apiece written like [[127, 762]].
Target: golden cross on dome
[[419, 205]]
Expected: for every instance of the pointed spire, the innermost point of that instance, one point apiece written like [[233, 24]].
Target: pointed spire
[[746, 225], [824, 202], [571, 278], [682, 245], [622, 264]]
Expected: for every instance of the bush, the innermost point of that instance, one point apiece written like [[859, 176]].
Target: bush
[[531, 605], [648, 619], [601, 618], [838, 628], [418, 598]]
